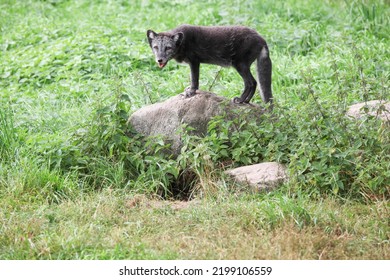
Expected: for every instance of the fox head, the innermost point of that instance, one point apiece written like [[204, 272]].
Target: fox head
[[164, 45]]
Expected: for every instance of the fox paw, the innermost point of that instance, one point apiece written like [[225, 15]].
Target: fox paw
[[237, 100], [189, 92]]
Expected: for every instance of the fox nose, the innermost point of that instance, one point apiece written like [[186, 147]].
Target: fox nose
[[160, 60]]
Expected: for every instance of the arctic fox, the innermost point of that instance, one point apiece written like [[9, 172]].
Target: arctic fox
[[236, 46]]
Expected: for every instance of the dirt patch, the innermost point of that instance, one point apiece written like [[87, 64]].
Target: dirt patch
[[145, 202]]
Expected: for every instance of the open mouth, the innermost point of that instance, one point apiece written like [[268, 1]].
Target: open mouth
[[161, 64]]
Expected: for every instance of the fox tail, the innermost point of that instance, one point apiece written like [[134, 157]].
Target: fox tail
[[264, 72]]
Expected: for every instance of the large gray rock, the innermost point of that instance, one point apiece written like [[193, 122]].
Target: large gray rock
[[166, 118], [376, 108], [262, 176]]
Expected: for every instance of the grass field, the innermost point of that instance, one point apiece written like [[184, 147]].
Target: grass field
[[74, 185]]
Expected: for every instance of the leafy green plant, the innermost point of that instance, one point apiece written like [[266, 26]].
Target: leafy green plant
[[325, 151]]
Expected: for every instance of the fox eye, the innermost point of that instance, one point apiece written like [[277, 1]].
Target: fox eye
[[155, 47], [168, 48]]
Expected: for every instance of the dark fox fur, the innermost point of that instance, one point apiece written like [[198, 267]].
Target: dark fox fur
[[235, 46]]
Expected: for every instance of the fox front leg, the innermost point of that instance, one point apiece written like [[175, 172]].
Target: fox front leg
[[191, 90]]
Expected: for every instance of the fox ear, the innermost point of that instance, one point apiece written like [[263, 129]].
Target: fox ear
[[151, 34], [178, 38]]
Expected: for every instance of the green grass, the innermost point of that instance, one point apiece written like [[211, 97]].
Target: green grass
[[76, 183]]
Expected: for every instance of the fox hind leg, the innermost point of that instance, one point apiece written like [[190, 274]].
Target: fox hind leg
[[249, 83]]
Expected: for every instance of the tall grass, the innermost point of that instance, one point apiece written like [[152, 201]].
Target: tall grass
[[83, 75], [8, 137]]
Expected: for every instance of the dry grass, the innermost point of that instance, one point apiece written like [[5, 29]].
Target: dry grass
[[105, 225]]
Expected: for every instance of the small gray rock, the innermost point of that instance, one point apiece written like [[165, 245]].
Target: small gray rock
[[262, 176], [373, 109]]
